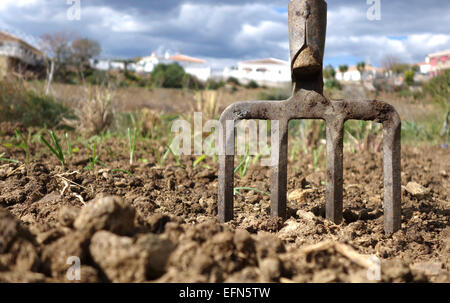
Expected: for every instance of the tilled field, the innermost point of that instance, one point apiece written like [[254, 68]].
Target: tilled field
[[159, 224]]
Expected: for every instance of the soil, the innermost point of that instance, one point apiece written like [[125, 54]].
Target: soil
[[159, 223]]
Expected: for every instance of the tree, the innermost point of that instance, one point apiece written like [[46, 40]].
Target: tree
[[409, 77], [361, 67], [329, 72], [67, 54], [169, 75], [57, 48], [343, 68], [400, 68], [389, 61], [84, 49], [330, 77]]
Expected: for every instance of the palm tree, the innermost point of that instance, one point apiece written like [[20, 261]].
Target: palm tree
[[361, 66], [343, 68]]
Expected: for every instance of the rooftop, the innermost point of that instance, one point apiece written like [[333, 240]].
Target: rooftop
[[185, 58], [266, 61], [441, 53], [8, 37]]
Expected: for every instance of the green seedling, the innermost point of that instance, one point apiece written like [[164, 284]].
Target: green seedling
[[83, 142], [7, 160], [297, 147], [215, 158], [36, 138], [132, 143], [94, 159], [243, 166], [56, 148], [160, 159], [69, 146], [23, 144], [198, 161], [317, 153], [177, 157]]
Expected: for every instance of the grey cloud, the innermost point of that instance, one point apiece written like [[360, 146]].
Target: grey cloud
[[237, 29]]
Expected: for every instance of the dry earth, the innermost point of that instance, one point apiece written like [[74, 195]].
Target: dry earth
[[160, 224]]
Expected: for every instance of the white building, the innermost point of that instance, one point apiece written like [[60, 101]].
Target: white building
[[193, 66], [17, 55], [353, 75], [147, 64], [104, 64], [438, 62], [425, 68], [270, 72]]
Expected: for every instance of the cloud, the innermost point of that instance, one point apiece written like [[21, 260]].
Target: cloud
[[229, 30]]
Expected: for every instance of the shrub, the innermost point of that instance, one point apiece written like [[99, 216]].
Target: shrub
[[192, 82], [329, 72], [234, 81], [96, 111], [252, 84], [214, 85], [331, 83], [275, 94], [97, 77], [41, 110], [169, 76], [409, 77], [438, 89], [28, 107]]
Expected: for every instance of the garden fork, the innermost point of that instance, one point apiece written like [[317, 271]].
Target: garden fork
[[307, 30]]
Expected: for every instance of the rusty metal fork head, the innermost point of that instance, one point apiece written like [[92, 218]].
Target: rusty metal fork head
[[307, 30]]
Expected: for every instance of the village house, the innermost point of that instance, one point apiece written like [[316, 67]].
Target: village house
[[269, 72], [435, 63], [148, 64], [351, 75], [192, 66], [111, 64], [424, 68], [17, 56], [370, 73]]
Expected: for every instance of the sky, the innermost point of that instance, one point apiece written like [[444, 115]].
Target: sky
[[227, 31]]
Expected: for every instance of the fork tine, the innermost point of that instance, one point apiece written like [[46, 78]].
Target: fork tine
[[278, 183], [392, 174], [226, 171], [335, 136]]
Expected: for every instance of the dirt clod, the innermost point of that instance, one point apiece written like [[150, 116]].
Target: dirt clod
[[128, 259], [106, 213], [416, 190]]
